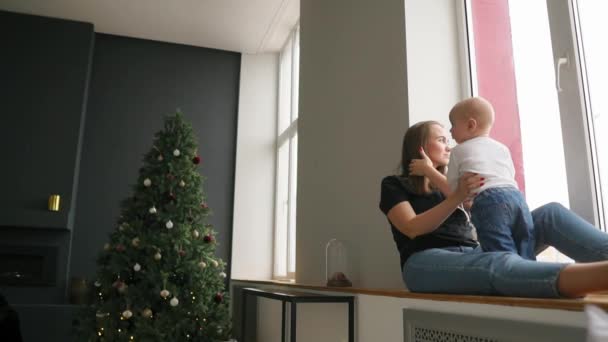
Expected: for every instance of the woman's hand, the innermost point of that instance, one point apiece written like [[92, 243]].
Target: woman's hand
[[421, 167], [468, 184]]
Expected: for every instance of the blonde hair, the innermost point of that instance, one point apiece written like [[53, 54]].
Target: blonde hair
[[477, 108]]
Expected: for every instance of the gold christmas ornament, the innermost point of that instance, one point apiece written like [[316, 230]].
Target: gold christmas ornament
[[147, 313]]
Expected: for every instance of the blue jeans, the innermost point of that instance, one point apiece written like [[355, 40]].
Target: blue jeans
[[503, 222], [467, 270]]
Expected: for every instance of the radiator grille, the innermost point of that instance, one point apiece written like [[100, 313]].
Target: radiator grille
[[434, 335]]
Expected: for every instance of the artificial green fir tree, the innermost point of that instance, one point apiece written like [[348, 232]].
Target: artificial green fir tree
[[158, 278]]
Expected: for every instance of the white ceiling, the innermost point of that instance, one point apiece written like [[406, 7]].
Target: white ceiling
[[248, 26]]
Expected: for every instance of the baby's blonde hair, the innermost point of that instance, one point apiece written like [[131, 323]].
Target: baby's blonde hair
[[476, 108]]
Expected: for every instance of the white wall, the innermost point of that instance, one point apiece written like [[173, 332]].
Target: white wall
[[255, 164], [353, 112], [433, 58]]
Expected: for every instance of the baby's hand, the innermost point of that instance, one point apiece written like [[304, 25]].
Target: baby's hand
[[420, 167]]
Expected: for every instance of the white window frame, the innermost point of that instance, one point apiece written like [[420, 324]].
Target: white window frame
[[579, 143], [288, 91]]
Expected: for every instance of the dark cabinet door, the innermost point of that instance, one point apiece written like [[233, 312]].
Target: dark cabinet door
[[44, 71]]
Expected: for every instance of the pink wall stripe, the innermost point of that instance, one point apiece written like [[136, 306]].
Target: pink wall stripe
[[496, 74]]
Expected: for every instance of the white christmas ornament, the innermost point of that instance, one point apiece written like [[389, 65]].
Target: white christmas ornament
[[101, 314], [160, 157], [182, 183], [222, 275], [147, 313], [157, 256], [127, 314], [174, 301], [135, 242], [106, 247], [147, 182], [137, 267], [169, 224], [152, 210], [202, 264], [164, 293], [97, 283], [176, 152], [214, 263], [195, 233]]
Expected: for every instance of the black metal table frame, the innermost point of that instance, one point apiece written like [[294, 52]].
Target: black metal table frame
[[285, 297]]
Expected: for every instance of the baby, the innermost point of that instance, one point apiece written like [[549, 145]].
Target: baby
[[499, 211]]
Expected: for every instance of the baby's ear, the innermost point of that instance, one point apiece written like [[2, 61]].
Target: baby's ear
[[472, 123]]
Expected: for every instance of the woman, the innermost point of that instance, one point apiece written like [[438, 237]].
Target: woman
[[437, 244]]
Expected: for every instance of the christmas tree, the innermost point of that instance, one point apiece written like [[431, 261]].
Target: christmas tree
[[158, 278]]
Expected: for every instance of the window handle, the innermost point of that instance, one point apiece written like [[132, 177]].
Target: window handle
[[560, 61]]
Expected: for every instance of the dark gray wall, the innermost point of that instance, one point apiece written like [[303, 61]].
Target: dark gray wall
[[44, 71], [134, 83]]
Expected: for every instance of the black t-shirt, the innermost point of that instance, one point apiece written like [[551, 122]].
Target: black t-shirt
[[456, 230]]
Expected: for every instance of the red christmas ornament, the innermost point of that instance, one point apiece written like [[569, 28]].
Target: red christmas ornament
[[120, 248], [181, 252], [208, 238], [219, 297], [204, 205], [170, 176], [196, 160]]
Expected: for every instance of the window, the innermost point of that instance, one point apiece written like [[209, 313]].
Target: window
[[527, 58], [287, 156]]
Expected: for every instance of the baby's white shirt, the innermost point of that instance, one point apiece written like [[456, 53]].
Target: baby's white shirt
[[485, 156]]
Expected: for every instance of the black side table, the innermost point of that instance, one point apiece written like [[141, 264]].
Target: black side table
[[295, 297]]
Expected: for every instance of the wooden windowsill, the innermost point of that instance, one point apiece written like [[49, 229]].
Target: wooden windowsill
[[599, 299]]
